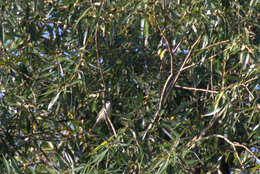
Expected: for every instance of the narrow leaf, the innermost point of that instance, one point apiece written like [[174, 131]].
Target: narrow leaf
[[53, 101]]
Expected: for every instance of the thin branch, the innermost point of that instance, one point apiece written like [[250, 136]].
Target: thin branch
[[249, 151], [216, 44], [109, 123], [187, 58], [170, 82], [188, 55], [98, 63], [250, 93], [255, 78], [211, 77], [196, 139], [212, 121], [162, 98], [233, 146], [196, 89], [169, 48], [194, 64]]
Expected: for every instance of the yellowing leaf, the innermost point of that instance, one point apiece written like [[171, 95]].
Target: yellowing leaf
[[150, 18], [162, 54], [220, 96], [34, 127], [172, 117]]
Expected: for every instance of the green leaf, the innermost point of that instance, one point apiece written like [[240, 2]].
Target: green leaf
[[6, 164]]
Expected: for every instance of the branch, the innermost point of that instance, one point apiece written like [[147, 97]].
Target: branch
[[250, 93], [254, 78], [233, 146], [109, 123], [193, 64], [170, 82], [98, 63], [196, 139], [196, 89], [162, 97], [187, 58], [49, 162], [216, 44], [249, 151]]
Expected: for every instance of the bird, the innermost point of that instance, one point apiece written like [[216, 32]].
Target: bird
[[104, 113]]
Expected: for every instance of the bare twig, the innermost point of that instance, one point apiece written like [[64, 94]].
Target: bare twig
[[250, 93], [196, 89], [234, 145], [109, 123], [216, 44], [194, 64], [49, 162], [211, 77], [255, 78]]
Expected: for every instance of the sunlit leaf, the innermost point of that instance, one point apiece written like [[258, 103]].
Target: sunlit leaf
[[53, 101]]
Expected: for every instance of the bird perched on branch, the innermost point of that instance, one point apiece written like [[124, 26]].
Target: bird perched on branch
[[104, 113]]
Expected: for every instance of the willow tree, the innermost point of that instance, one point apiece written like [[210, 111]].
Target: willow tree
[[181, 76]]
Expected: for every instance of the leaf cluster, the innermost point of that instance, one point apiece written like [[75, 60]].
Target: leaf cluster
[[60, 60]]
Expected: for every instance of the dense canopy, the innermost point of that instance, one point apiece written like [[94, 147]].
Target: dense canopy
[[182, 78]]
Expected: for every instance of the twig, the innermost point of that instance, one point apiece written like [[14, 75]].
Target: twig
[[99, 65], [215, 44], [196, 89], [109, 123], [49, 162], [192, 143], [192, 65], [233, 144], [211, 77], [169, 47], [170, 82], [186, 60], [249, 151], [162, 98], [234, 148], [250, 93], [173, 82], [246, 82]]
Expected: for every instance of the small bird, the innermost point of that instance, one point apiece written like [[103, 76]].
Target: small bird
[[104, 113]]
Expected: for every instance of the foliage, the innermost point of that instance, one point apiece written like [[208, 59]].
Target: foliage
[[182, 78]]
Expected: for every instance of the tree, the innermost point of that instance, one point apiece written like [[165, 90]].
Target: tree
[[182, 78]]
